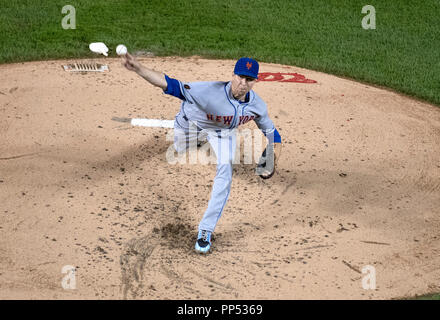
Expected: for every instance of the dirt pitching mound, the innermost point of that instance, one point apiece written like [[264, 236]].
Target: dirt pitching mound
[[355, 197]]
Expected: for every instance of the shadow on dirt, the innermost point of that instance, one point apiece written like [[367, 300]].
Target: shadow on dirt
[[138, 252]]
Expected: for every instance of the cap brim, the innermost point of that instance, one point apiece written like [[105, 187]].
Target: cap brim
[[247, 74]]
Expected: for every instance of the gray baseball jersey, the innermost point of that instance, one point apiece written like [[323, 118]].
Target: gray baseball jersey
[[212, 106]]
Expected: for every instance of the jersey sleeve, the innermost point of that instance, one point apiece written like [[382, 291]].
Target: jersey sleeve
[[265, 124]]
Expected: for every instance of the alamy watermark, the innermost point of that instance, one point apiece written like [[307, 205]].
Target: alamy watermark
[[68, 21], [369, 21], [212, 146], [69, 280], [369, 280]]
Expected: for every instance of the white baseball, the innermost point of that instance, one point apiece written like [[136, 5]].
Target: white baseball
[[121, 50]]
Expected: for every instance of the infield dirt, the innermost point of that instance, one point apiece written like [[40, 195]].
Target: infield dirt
[[358, 184]]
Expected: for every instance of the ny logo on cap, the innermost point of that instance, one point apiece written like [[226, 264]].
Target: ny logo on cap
[[249, 65]]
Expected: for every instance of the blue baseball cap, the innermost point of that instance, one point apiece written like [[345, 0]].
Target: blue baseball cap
[[247, 67]]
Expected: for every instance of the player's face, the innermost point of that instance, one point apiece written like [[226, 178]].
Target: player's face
[[240, 85]]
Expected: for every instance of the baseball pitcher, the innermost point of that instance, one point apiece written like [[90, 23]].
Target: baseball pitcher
[[215, 109]]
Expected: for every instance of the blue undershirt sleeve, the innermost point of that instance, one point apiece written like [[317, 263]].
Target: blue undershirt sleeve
[[173, 88]]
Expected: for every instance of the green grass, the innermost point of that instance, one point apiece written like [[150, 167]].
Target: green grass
[[429, 297], [402, 53]]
